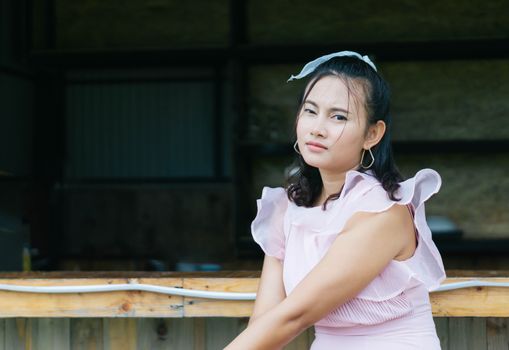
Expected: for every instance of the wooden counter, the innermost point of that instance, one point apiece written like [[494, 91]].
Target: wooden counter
[[472, 318], [477, 302]]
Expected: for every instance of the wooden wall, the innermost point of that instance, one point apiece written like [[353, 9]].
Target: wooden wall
[[463, 333]]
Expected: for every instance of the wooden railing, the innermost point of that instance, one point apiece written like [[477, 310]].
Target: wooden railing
[[463, 316]]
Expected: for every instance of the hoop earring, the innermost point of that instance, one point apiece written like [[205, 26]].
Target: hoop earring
[[295, 147], [372, 159]]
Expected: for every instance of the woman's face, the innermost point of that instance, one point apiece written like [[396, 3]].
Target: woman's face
[[335, 119]]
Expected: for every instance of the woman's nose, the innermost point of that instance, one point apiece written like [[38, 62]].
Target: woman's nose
[[319, 128]]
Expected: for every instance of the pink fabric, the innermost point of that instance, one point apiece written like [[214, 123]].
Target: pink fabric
[[267, 227], [416, 330], [301, 236]]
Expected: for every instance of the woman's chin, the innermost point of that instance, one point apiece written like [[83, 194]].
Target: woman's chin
[[314, 163], [326, 166]]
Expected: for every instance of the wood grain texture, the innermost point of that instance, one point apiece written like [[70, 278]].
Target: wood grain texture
[[2, 332], [465, 333], [442, 327], [466, 302], [98, 304], [220, 331], [87, 333], [498, 333], [468, 333], [302, 341], [50, 333], [199, 334], [18, 333], [198, 307], [120, 333]]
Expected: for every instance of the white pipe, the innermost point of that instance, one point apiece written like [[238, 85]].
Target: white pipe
[[468, 284], [130, 286], [195, 293]]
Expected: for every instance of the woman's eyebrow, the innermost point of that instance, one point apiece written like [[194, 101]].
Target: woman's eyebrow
[[332, 108]]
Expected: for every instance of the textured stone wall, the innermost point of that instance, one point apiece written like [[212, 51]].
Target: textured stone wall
[[444, 100], [449, 100], [329, 21], [93, 24], [170, 23], [474, 192]]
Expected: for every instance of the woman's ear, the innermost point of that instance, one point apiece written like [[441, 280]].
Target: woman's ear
[[375, 134]]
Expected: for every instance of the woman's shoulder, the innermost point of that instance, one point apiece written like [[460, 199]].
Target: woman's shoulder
[[364, 195], [426, 264]]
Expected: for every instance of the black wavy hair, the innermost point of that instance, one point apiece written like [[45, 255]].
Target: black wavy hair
[[304, 185]]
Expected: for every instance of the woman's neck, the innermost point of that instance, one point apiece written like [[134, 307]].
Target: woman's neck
[[331, 184]]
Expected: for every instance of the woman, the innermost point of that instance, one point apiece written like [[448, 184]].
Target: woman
[[347, 247]]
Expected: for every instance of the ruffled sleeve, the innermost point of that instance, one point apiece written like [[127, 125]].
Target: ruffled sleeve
[[385, 297], [426, 265], [267, 227]]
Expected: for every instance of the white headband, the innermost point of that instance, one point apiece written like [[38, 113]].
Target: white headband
[[311, 66]]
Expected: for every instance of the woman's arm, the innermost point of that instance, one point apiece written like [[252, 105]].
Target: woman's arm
[[364, 248], [270, 288]]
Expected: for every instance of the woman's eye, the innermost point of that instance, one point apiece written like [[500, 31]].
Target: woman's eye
[[339, 117], [307, 110]]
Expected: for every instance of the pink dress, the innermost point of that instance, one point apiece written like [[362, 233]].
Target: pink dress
[[393, 311]]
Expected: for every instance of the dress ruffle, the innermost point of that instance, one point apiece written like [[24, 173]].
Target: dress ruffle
[[267, 228], [366, 312], [384, 298], [426, 264], [305, 235]]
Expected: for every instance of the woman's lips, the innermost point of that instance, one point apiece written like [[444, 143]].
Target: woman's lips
[[316, 147]]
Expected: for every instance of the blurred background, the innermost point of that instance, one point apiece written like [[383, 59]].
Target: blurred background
[[137, 135]]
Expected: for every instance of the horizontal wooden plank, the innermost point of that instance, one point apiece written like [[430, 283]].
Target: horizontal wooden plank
[[476, 302], [97, 304], [200, 307], [471, 302], [274, 54]]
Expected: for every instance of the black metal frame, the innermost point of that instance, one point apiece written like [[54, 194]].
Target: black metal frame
[[272, 54]]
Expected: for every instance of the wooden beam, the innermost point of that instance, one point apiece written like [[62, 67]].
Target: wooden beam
[[468, 302], [472, 49], [471, 302]]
